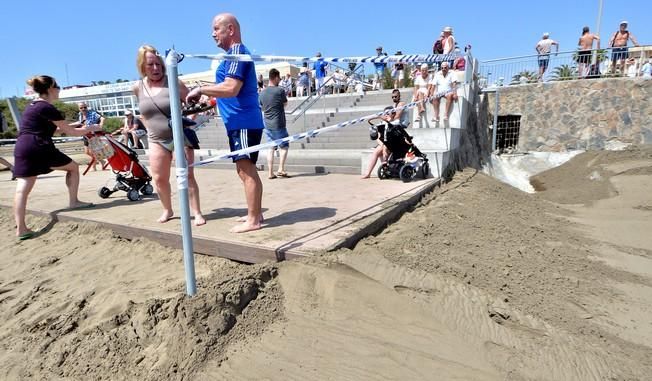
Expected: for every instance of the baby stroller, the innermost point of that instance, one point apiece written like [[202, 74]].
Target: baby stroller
[[405, 160], [130, 176]]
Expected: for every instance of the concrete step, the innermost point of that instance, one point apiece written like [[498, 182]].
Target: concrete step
[[339, 145], [294, 169], [213, 135], [438, 162], [435, 138]]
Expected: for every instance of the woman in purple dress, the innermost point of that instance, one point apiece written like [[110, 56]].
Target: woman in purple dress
[[35, 153]]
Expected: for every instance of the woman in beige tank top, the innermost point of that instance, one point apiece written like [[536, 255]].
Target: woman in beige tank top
[[154, 102]]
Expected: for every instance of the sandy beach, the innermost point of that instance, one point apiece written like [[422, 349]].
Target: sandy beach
[[479, 282]]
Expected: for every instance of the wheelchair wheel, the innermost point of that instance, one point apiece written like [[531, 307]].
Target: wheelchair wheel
[[147, 190], [383, 172], [104, 192], [425, 170], [133, 195], [406, 173]]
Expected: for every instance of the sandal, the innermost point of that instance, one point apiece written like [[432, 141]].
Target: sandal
[[282, 174], [271, 177], [26, 236]]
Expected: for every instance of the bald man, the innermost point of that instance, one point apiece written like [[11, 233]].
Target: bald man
[[237, 99]]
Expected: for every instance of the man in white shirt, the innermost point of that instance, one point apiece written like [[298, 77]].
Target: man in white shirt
[[543, 48], [444, 85], [286, 84], [646, 70]]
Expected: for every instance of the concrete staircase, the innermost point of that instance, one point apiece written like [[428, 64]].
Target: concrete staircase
[[437, 140], [347, 150]]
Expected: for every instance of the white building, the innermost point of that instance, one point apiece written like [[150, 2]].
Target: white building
[[116, 98]]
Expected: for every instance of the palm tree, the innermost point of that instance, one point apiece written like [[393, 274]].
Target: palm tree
[[531, 77], [564, 73]]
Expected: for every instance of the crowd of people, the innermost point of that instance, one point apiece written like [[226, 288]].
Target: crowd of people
[[248, 107]]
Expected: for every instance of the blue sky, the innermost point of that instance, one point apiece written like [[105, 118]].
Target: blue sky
[[97, 40]]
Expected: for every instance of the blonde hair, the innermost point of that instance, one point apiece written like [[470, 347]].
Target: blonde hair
[[141, 61], [41, 83]]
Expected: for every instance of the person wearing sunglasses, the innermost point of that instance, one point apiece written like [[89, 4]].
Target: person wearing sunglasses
[[35, 153]]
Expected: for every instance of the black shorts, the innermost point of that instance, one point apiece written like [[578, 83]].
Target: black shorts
[[240, 139], [584, 56]]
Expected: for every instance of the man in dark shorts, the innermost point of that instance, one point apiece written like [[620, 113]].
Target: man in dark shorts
[[543, 48], [273, 101], [618, 44], [586, 48], [236, 91]]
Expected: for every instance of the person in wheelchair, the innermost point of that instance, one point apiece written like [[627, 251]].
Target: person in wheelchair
[[396, 117], [377, 133], [402, 157]]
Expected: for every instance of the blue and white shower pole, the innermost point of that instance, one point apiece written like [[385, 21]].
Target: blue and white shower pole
[[172, 59]]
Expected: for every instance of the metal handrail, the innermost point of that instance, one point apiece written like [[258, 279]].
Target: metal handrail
[[565, 65], [355, 73], [561, 52], [310, 100]]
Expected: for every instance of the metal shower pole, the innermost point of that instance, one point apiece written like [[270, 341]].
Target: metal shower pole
[[594, 59], [171, 63]]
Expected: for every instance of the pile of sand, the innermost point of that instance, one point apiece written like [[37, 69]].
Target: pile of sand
[[586, 178], [480, 282], [78, 302]]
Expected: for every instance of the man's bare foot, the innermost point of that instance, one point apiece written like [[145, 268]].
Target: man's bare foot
[[81, 205], [245, 227], [165, 217], [365, 177], [244, 219], [199, 220]]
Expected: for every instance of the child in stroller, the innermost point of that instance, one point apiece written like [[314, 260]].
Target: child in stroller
[[404, 159]]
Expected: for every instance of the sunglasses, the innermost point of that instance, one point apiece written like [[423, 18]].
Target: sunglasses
[[55, 86], [83, 108]]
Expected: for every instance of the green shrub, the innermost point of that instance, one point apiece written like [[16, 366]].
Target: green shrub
[[112, 124], [11, 134]]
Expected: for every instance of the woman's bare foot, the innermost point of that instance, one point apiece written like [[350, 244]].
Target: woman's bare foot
[[199, 220], [165, 217], [23, 235], [245, 227]]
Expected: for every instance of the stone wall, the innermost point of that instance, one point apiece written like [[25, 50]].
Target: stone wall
[[580, 114]]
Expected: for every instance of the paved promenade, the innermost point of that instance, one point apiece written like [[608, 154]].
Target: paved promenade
[[304, 214]]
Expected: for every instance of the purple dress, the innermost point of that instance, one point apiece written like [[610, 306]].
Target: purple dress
[[35, 153]]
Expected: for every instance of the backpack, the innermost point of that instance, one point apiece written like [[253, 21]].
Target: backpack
[[438, 47]]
